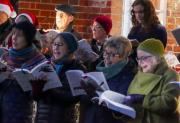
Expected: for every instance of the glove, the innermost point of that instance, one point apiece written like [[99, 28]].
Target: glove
[[133, 99], [90, 90], [37, 86]]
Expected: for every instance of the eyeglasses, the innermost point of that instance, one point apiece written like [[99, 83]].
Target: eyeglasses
[[106, 54], [95, 28], [143, 58], [58, 44]]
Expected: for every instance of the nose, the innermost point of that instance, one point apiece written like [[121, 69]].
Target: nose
[[14, 37]]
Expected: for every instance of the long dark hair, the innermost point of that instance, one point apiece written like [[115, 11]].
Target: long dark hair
[[150, 17]]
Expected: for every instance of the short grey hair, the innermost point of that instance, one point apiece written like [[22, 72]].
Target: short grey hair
[[121, 45]]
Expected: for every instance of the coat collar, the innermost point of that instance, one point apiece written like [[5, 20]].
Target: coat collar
[[144, 83]]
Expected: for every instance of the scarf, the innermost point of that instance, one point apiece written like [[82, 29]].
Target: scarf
[[26, 58], [113, 70], [144, 83], [59, 63]]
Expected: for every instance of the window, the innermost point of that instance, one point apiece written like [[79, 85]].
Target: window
[[161, 9]]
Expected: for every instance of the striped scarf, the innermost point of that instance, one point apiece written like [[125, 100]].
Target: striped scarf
[[26, 58]]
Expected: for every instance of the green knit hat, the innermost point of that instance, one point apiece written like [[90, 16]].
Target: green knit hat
[[152, 46]]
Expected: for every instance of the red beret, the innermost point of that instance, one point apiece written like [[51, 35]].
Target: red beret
[[105, 22]]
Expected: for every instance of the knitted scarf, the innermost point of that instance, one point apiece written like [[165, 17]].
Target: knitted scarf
[[26, 58], [113, 70]]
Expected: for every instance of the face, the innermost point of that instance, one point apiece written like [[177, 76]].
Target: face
[[63, 20], [110, 56], [3, 17], [98, 32], [139, 13], [146, 61], [59, 48], [18, 40]]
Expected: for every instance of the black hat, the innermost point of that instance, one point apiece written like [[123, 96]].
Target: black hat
[[28, 30], [66, 8], [70, 41]]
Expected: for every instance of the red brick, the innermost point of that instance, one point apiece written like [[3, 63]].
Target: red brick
[[109, 4], [73, 2], [105, 10], [87, 36], [30, 0], [46, 1], [83, 2], [88, 9], [84, 22], [100, 3], [24, 5], [60, 1], [33, 5], [175, 13], [177, 21], [168, 13], [81, 28], [45, 6], [48, 13], [45, 19], [44, 25], [34, 11]]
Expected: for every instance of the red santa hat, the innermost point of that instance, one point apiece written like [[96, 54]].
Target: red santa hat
[[30, 16], [6, 6]]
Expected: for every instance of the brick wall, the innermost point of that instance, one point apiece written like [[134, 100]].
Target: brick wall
[[173, 21], [87, 9]]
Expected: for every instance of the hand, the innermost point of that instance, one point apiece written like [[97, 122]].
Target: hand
[[89, 88], [133, 99], [37, 86]]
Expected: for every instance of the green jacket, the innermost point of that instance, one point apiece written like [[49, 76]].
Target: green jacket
[[160, 101]]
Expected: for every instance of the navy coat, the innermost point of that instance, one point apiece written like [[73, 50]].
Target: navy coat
[[92, 113]]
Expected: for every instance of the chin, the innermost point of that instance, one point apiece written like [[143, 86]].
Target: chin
[[147, 70]]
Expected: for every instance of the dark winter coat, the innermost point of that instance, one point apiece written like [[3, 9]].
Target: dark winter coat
[[91, 66], [5, 30], [92, 113], [158, 32], [58, 105], [16, 105]]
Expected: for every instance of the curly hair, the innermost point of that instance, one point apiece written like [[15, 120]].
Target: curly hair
[[150, 17]]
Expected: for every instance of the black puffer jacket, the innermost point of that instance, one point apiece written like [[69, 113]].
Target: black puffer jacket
[[16, 105], [58, 105]]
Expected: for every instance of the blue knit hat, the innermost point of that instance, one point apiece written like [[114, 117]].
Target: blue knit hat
[[70, 41]]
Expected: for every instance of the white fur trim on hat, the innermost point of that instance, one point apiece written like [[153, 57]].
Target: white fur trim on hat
[[26, 15], [7, 10]]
